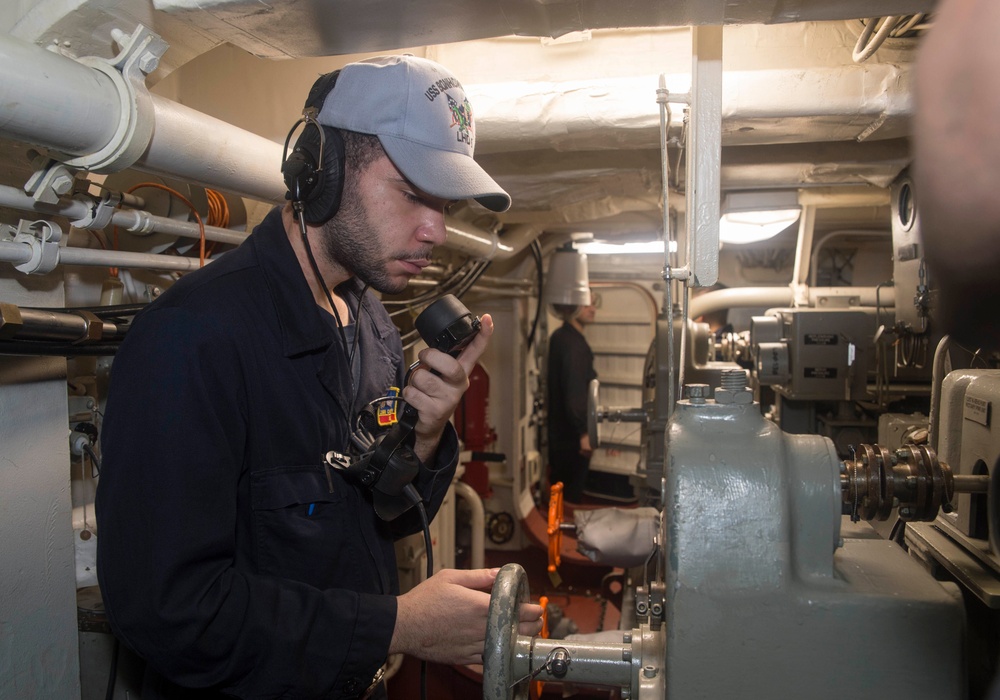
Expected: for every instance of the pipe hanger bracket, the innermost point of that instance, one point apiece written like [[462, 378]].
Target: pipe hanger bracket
[[139, 56], [43, 238]]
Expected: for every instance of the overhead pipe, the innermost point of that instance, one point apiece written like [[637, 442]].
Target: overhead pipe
[[74, 110], [780, 297], [486, 245], [20, 254], [814, 255], [81, 209], [939, 368], [192, 146], [54, 101]]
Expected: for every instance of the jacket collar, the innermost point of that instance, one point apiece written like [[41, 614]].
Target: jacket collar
[[303, 328], [301, 324]]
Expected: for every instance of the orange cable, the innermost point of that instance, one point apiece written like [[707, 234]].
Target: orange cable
[[218, 212], [197, 216]]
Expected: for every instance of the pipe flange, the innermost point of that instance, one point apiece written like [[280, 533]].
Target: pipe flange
[[139, 56]]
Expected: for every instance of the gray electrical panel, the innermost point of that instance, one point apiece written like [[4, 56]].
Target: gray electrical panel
[[814, 354]]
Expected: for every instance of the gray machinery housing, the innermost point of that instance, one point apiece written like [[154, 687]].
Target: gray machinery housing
[[759, 585]]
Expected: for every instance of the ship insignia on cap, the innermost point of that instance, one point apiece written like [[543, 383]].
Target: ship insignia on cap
[[461, 116]]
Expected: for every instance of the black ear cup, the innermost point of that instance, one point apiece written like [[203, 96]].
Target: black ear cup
[[314, 172]]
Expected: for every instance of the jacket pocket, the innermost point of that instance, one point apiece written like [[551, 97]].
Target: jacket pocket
[[302, 530]]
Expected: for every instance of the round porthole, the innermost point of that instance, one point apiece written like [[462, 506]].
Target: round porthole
[[904, 206]]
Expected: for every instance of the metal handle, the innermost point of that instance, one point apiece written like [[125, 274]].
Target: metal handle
[[510, 590]]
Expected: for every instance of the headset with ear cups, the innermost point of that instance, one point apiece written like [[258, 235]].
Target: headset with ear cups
[[314, 170]]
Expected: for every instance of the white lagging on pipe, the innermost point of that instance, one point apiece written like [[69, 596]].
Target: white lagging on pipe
[[43, 92], [463, 490], [20, 253], [781, 297]]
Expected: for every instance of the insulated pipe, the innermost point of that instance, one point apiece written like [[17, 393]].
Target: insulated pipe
[[20, 253], [517, 238], [468, 239], [192, 146], [736, 297], [61, 104], [131, 220], [54, 101], [803, 251], [938, 372], [486, 245], [814, 255], [463, 490]]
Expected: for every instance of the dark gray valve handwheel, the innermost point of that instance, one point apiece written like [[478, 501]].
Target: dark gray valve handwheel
[[510, 590]]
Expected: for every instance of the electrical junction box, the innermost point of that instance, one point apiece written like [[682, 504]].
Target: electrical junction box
[[814, 354]]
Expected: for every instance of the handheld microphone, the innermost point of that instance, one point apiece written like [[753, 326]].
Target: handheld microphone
[[389, 465]]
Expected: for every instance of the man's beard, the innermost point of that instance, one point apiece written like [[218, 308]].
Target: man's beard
[[350, 241]]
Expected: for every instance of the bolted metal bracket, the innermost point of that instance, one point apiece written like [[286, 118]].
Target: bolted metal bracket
[[101, 210], [50, 180], [42, 237], [140, 55]]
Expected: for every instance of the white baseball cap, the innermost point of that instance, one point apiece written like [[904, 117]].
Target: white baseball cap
[[423, 119]]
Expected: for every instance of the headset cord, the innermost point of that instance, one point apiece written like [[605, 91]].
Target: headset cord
[[357, 327], [301, 215]]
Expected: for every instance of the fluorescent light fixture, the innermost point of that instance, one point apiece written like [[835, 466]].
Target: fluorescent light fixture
[[753, 226], [605, 248], [750, 217]]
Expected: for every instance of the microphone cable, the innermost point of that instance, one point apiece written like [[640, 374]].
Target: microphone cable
[[414, 497]]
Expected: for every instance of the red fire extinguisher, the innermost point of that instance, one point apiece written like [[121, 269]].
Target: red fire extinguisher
[[474, 431]]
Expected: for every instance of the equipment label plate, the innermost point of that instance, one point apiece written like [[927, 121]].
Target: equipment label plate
[[977, 410], [820, 372]]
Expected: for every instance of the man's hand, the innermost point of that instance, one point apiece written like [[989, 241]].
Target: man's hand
[[443, 619], [585, 449], [435, 394]]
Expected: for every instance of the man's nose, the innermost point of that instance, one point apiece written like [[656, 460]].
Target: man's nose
[[432, 229]]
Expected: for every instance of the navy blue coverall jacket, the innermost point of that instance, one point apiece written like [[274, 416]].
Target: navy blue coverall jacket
[[224, 558], [570, 370]]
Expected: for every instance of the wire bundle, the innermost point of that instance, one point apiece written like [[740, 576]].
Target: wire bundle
[[458, 283], [894, 26]]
